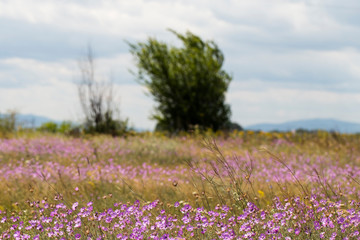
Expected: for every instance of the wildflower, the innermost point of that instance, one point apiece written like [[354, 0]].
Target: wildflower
[[261, 194], [186, 208], [333, 236], [262, 236], [74, 206]]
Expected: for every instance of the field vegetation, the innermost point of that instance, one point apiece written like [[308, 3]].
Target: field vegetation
[[238, 185], [69, 181]]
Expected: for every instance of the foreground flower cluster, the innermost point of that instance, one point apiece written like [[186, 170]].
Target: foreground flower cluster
[[311, 218]]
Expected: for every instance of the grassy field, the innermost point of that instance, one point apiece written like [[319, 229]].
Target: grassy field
[[242, 185]]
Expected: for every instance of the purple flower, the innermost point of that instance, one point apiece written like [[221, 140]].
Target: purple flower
[[186, 219], [186, 208], [317, 225], [341, 220], [225, 208], [17, 235], [262, 236], [74, 206], [333, 236]]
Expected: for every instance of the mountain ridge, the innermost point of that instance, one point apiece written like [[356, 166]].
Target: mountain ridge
[[31, 120], [327, 124]]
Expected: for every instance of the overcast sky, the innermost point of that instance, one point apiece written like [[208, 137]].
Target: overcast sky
[[290, 59]]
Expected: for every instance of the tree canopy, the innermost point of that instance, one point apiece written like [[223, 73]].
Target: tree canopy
[[188, 82]]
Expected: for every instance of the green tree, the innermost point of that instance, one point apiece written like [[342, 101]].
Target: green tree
[[51, 127], [187, 82]]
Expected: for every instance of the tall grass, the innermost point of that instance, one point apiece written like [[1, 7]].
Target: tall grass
[[247, 176]]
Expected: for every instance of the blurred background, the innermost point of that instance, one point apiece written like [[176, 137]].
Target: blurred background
[[290, 60]]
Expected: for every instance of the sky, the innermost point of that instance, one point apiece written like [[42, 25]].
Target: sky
[[290, 59]]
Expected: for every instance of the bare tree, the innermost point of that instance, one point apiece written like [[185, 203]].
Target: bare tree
[[97, 100]]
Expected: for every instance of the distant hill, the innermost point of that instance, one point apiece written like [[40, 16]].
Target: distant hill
[[309, 124], [31, 120]]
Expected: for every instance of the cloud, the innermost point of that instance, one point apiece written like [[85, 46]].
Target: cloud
[[55, 100], [113, 18], [46, 42], [328, 70], [282, 104], [136, 105], [24, 73]]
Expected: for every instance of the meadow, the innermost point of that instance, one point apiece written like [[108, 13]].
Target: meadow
[[240, 185]]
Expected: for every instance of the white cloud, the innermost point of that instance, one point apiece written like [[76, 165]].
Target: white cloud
[[336, 70], [281, 104], [29, 72], [55, 101], [136, 105], [134, 19]]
